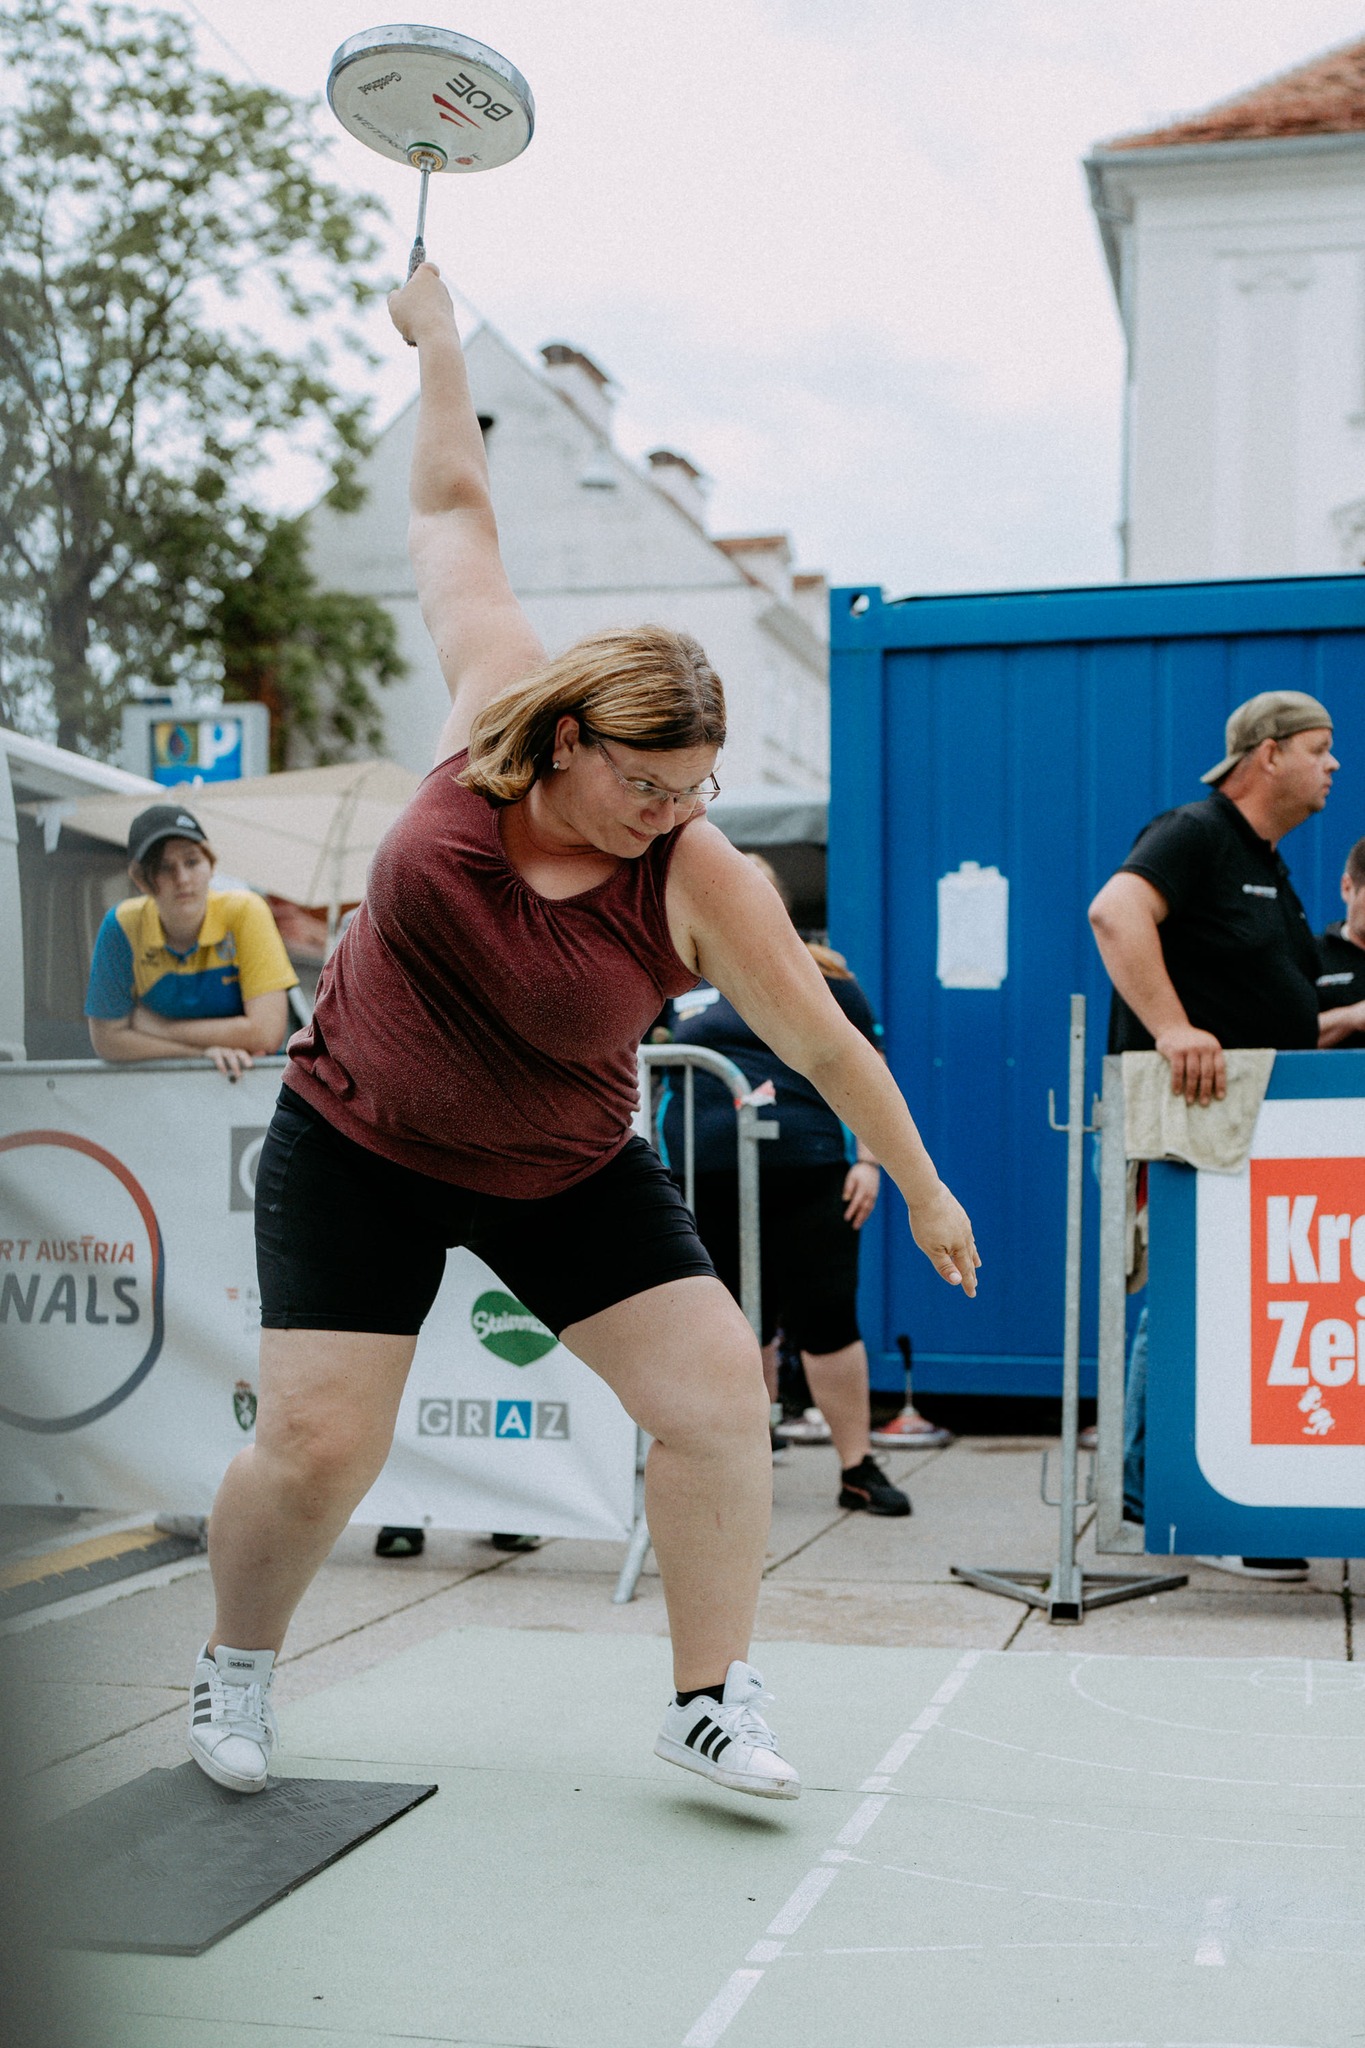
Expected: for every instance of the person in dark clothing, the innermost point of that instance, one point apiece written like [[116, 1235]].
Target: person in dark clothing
[[1208, 947], [1341, 963], [819, 1186]]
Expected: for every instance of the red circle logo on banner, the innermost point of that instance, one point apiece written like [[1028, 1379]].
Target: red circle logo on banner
[[42, 1280]]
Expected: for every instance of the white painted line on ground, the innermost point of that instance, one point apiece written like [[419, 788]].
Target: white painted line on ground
[[1342, 1678], [852, 1833], [804, 1899], [1100, 1827], [1085, 1763], [722, 2009], [101, 1596], [817, 1882], [1217, 1920]]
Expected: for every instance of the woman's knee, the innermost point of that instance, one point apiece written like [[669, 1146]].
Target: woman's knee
[[727, 1405], [321, 1455]]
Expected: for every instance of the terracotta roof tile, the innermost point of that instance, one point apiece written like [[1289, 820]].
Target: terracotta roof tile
[[1323, 97]]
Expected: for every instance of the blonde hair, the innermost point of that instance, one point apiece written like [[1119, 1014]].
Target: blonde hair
[[645, 686], [832, 965]]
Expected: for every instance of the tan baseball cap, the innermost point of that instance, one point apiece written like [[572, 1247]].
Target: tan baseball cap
[[1274, 715]]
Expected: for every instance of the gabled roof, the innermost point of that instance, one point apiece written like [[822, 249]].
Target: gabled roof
[[1325, 96]]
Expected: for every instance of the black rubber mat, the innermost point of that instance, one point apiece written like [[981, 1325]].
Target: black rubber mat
[[169, 1864]]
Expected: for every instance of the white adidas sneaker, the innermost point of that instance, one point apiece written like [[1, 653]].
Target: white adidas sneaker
[[728, 1740], [232, 1724]]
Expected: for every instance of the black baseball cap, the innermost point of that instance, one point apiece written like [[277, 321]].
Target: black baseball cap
[[161, 821]]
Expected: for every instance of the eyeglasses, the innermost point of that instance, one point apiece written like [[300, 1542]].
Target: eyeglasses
[[693, 799]]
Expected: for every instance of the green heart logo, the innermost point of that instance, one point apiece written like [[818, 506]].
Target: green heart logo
[[504, 1326]]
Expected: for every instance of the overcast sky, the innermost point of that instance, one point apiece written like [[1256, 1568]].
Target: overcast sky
[[837, 251]]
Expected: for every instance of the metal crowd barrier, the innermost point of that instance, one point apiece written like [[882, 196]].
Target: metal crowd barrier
[[750, 1132]]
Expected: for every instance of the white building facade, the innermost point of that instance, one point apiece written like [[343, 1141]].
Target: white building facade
[[591, 541], [1236, 245]]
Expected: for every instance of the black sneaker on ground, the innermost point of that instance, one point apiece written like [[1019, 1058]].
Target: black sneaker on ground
[[507, 1539], [866, 1486], [395, 1542]]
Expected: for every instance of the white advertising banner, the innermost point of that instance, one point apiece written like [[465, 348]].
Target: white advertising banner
[[129, 1318], [1280, 1389]]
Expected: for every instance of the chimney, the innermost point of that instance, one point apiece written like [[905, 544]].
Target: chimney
[[764, 558], [578, 378], [680, 480], [810, 595]]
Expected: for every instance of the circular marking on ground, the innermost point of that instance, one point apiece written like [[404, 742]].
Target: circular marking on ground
[[1265, 1678]]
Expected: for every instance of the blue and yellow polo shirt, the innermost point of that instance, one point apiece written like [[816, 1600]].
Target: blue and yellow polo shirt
[[239, 954]]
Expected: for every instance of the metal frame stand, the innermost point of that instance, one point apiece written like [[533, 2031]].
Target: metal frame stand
[[1067, 1591], [751, 1132]]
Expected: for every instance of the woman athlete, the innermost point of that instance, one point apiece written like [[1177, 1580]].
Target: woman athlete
[[469, 1078]]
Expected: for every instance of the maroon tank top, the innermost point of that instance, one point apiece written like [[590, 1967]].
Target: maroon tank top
[[474, 1030]]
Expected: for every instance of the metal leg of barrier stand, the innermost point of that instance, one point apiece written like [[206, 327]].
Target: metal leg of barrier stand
[[1066, 1591], [750, 1132], [635, 1556]]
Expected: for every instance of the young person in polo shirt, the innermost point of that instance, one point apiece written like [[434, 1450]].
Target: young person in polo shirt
[[184, 969], [1208, 947], [1341, 963]]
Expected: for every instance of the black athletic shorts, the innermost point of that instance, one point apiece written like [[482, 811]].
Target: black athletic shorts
[[346, 1240], [809, 1259]]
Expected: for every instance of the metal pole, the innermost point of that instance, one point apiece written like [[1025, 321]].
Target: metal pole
[[750, 1132], [1112, 1533], [1067, 1591], [1064, 1594]]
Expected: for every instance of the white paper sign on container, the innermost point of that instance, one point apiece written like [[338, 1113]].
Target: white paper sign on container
[[973, 927]]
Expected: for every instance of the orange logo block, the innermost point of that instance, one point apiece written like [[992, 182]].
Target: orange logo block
[[1308, 1301]]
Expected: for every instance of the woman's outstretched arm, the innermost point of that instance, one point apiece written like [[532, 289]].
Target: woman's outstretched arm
[[730, 921], [483, 639]]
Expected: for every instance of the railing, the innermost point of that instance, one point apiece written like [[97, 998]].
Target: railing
[[750, 1132]]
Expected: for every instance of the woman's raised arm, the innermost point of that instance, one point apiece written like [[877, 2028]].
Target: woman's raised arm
[[483, 639]]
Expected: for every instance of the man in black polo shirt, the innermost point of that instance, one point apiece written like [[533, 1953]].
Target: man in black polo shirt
[[1208, 947], [1341, 963]]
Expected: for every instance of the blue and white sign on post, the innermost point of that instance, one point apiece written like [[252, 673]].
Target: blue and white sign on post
[[199, 743], [1256, 1372]]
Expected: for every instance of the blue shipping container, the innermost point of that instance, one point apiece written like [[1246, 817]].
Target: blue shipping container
[[1036, 733]]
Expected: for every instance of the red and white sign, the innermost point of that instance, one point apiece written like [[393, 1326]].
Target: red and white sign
[[1280, 1312], [1308, 1301]]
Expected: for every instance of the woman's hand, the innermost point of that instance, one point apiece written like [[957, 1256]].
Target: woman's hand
[[862, 1184], [230, 1060], [940, 1227], [420, 303]]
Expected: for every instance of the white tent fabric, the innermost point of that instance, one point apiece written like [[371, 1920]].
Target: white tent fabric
[[765, 814], [307, 835]]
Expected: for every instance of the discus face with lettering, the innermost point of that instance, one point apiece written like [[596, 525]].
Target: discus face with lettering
[[430, 97]]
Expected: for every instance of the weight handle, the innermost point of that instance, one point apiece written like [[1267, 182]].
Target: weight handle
[[419, 247]]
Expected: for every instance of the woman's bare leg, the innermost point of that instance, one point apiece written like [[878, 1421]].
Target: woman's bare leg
[[838, 1385], [329, 1399], [685, 1364]]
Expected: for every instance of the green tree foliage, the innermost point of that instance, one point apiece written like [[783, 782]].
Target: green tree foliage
[[153, 214], [311, 655]]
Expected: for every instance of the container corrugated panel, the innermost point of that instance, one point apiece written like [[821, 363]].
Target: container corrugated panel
[[1036, 733]]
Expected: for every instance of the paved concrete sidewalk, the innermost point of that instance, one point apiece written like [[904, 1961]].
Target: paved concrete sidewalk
[[106, 1676]]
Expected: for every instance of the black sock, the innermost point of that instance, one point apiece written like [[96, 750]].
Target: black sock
[[710, 1692]]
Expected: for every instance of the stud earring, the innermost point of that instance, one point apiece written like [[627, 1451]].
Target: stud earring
[[559, 767]]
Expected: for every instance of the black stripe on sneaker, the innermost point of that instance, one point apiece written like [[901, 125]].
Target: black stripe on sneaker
[[714, 1744], [201, 1720], [720, 1749], [201, 1688], [703, 1727]]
